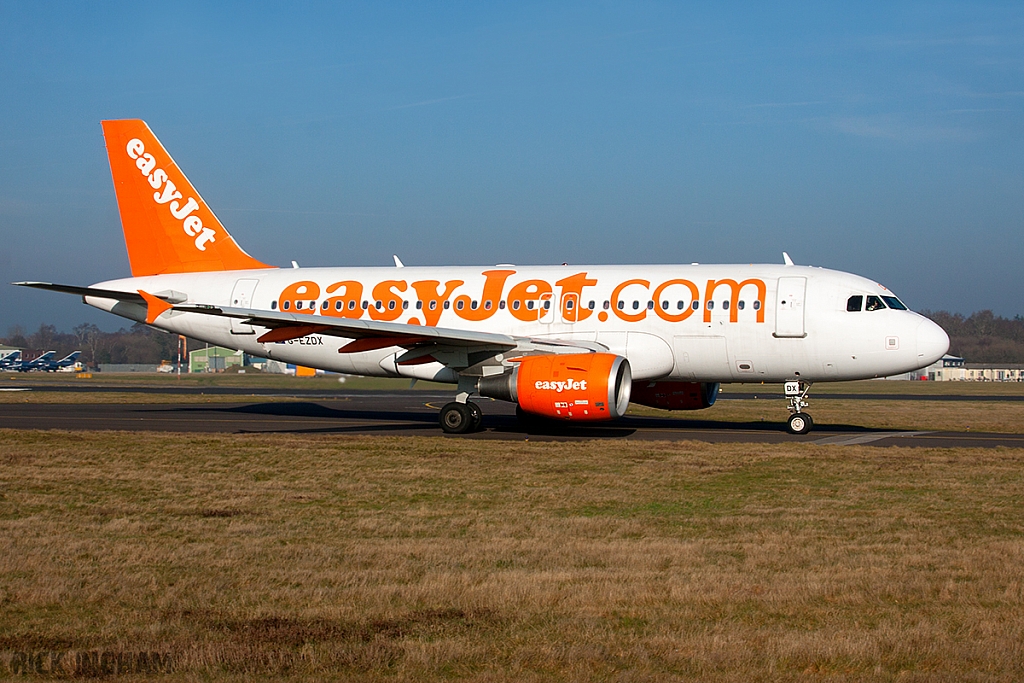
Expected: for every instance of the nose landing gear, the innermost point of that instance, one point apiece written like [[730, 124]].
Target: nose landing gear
[[799, 422]]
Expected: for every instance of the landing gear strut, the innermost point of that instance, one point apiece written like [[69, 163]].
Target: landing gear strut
[[799, 421], [461, 418]]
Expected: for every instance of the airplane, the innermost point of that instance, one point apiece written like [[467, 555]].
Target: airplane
[[563, 342], [66, 362], [9, 361], [38, 363]]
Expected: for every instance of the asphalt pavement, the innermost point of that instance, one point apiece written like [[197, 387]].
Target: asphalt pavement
[[414, 412]]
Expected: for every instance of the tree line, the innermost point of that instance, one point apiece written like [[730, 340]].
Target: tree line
[[136, 344], [981, 337]]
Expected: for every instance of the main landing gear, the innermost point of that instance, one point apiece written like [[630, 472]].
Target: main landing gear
[[461, 418], [799, 421]]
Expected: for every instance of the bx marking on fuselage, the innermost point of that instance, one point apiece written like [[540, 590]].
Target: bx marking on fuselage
[[569, 342]]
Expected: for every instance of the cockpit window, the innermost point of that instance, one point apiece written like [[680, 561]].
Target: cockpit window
[[874, 304], [894, 303], [854, 303]]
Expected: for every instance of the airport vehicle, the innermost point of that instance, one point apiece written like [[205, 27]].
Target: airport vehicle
[[565, 342]]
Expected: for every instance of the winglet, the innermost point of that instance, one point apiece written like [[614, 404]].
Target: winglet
[[398, 261], [154, 306], [785, 259]]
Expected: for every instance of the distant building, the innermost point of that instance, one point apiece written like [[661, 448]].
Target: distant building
[[954, 369], [214, 359]]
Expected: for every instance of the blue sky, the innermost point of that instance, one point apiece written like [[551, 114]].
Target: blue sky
[[879, 138]]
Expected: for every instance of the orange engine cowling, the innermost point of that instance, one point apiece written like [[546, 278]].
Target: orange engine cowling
[[675, 395], [578, 386]]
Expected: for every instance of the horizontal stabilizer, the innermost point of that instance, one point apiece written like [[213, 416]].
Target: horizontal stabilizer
[[134, 297]]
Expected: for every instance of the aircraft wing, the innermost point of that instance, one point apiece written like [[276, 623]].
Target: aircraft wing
[[373, 334], [457, 349]]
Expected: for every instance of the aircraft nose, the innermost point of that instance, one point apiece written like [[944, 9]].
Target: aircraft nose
[[932, 342]]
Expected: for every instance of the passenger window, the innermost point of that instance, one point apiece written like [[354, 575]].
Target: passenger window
[[622, 304], [433, 305], [487, 305], [740, 304], [679, 305], [447, 305], [725, 305], [473, 304], [529, 305], [515, 305], [273, 305], [874, 304], [325, 305], [366, 304], [419, 305], [606, 304], [664, 305], [405, 305], [636, 304], [458, 305], [711, 305], [501, 304], [378, 305], [894, 303], [286, 305], [298, 305], [757, 305], [391, 305], [696, 304], [591, 305], [568, 305], [352, 305], [854, 303], [337, 305]]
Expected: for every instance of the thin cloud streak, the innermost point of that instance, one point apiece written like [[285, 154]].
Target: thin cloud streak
[[425, 103], [888, 128], [767, 105]]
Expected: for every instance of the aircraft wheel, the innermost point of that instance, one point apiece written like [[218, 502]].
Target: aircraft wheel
[[456, 418], [476, 415], [799, 423]]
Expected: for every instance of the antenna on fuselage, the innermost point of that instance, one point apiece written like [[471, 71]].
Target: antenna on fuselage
[[398, 261], [785, 259]]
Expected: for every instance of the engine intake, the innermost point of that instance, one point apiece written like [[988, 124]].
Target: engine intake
[[578, 386], [675, 395]]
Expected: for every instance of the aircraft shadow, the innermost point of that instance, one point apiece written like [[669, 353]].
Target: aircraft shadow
[[383, 420]]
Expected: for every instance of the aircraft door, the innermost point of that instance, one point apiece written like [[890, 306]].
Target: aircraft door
[[242, 297], [789, 307]]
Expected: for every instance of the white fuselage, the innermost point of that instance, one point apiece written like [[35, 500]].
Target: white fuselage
[[708, 323]]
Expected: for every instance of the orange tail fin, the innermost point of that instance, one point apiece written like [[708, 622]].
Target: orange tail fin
[[168, 228]]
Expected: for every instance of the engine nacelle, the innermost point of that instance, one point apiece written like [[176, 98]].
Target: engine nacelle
[[675, 395], [577, 386]]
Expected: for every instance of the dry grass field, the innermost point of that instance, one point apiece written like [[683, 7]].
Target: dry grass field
[[1006, 417], [397, 559]]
